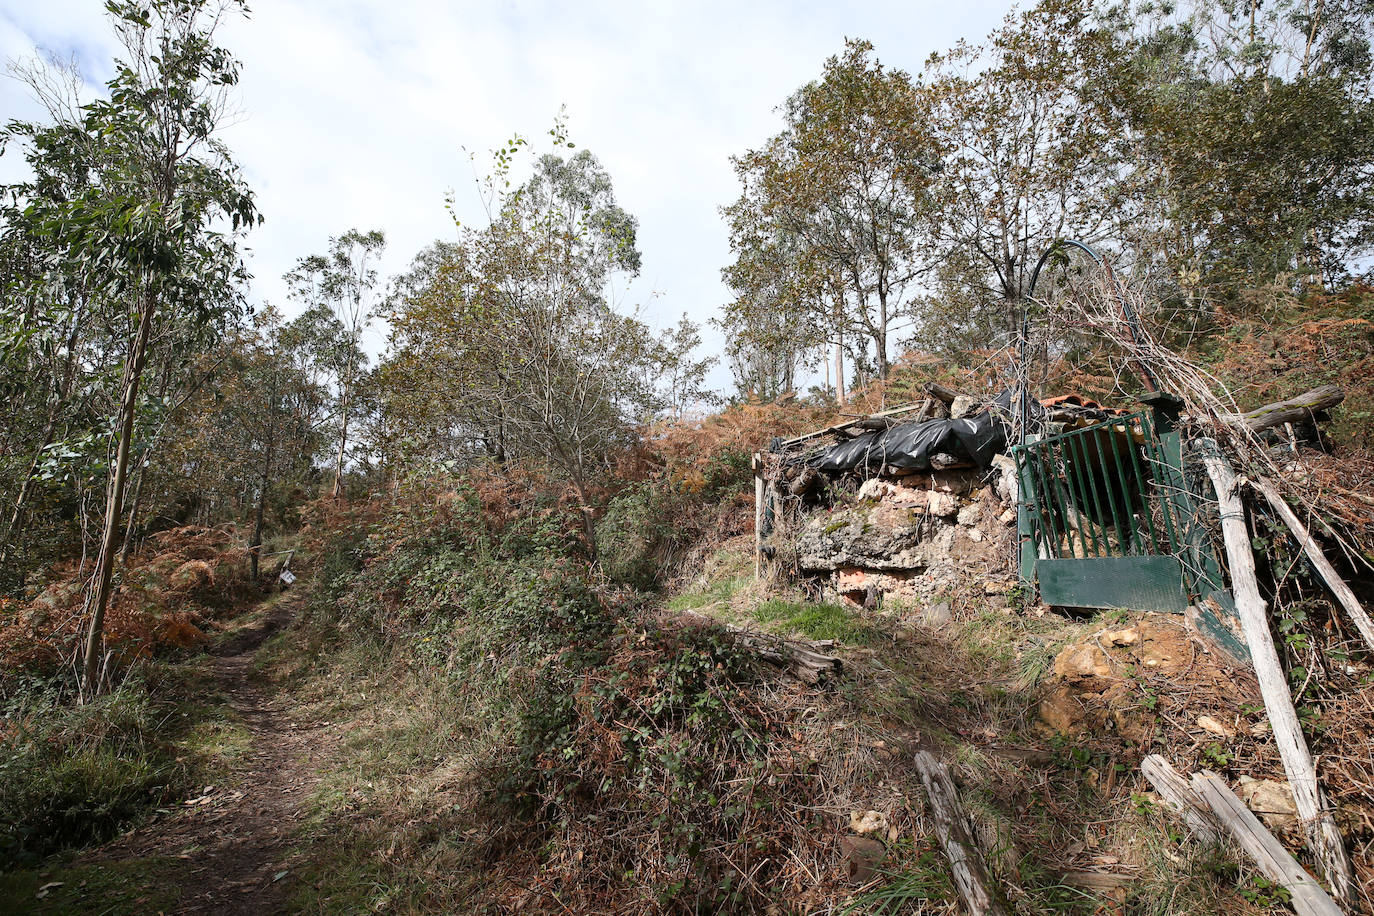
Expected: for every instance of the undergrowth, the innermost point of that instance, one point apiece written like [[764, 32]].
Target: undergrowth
[[596, 751], [72, 775]]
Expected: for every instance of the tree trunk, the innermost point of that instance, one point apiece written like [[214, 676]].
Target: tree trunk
[[343, 441], [21, 501], [141, 469], [588, 521], [114, 507], [839, 355], [880, 337], [255, 549]]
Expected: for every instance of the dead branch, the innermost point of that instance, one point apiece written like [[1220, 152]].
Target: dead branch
[[1323, 836], [1319, 561]]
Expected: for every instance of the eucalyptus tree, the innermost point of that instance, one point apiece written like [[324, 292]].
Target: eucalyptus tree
[[850, 178], [1251, 132], [507, 345], [781, 320], [150, 228], [680, 374], [344, 281]]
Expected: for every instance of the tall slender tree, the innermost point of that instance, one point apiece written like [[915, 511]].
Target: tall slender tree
[[144, 228], [343, 280]]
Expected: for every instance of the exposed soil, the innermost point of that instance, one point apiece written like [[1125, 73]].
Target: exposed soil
[[235, 839]]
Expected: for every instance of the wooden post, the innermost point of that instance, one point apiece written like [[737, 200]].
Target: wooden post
[[758, 514], [951, 824], [1323, 566], [1323, 836], [1268, 853]]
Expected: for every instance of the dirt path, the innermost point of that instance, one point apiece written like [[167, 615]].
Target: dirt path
[[235, 839]]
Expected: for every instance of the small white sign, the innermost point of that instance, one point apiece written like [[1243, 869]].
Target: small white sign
[[287, 576]]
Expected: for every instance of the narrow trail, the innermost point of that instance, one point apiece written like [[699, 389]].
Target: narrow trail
[[235, 839]]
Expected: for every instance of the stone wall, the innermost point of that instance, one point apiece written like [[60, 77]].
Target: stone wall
[[917, 535]]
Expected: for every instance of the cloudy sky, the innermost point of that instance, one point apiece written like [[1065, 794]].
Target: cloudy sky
[[356, 113]]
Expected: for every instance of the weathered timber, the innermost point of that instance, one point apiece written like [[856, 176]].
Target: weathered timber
[[944, 462], [801, 658], [759, 494], [884, 416], [1177, 794], [1309, 899], [1294, 410], [942, 393], [1323, 836], [806, 481], [951, 825], [1319, 561]]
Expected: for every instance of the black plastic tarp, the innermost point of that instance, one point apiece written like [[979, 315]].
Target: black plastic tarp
[[910, 446]]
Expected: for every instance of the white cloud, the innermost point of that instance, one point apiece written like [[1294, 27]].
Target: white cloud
[[354, 113]]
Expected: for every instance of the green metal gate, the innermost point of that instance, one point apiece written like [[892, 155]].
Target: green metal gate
[[1107, 519]]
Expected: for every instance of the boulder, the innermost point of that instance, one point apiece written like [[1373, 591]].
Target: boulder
[[881, 537], [937, 614], [1080, 661]]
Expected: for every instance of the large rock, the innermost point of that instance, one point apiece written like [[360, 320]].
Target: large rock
[[877, 537]]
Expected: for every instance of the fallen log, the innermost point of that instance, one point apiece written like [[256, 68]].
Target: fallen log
[[1177, 794], [951, 825], [944, 462], [884, 416], [942, 393], [1293, 410], [800, 658], [1309, 899], [1323, 836], [1319, 561]]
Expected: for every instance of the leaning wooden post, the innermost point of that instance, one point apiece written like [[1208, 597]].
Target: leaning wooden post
[[1323, 566], [951, 824], [1323, 836], [758, 514]]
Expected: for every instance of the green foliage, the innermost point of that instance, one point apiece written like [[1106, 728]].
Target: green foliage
[[641, 532], [517, 591], [643, 741], [825, 232], [1262, 892], [923, 876], [815, 621], [75, 775]]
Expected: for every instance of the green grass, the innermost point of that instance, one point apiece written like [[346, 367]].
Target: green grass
[[717, 592], [815, 621], [918, 875], [73, 775], [138, 886]]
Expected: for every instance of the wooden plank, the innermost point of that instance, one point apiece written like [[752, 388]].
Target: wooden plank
[[1323, 836], [951, 825], [1309, 899], [942, 393], [1178, 795], [1319, 561], [838, 427]]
